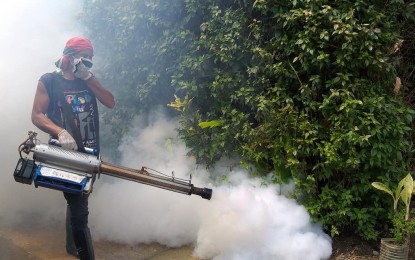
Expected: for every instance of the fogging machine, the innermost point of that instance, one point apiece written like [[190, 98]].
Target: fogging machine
[[53, 167]]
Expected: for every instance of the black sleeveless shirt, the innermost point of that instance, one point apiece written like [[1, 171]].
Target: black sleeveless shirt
[[83, 106]]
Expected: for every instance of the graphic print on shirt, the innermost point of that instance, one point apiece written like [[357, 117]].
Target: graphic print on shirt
[[83, 112]]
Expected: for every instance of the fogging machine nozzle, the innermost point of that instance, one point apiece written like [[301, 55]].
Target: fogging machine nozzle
[[205, 193]]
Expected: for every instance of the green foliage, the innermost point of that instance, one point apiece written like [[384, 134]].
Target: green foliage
[[401, 228], [139, 44], [403, 191], [300, 89], [402, 225]]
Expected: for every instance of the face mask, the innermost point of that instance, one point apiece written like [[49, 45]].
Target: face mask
[[75, 63], [81, 62]]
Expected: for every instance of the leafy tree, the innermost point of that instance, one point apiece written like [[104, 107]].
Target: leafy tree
[[300, 89], [140, 43]]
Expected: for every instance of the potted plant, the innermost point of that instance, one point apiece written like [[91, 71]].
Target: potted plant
[[403, 226]]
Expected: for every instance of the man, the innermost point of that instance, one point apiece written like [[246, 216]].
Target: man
[[65, 107]]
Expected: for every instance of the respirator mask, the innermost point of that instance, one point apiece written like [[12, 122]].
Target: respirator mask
[[81, 64], [81, 67]]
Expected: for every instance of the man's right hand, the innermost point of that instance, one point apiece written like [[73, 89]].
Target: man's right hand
[[82, 67], [67, 141]]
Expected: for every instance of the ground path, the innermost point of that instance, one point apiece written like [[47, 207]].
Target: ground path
[[49, 243]]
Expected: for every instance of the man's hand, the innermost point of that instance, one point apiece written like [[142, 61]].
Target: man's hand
[[82, 69], [66, 140]]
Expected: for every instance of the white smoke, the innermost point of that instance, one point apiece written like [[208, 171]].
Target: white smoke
[[244, 219], [32, 36]]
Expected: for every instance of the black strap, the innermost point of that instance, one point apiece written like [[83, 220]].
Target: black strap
[[66, 109]]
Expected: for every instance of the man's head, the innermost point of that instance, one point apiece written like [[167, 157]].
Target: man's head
[[75, 47]]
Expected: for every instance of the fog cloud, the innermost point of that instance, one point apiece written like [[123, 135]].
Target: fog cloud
[[243, 220], [32, 37]]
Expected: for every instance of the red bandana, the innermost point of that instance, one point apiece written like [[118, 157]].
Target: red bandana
[[77, 44]]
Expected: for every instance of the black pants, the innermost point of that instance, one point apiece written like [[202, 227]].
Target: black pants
[[78, 205], [77, 225]]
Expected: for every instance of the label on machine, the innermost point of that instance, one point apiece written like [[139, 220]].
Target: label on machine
[[65, 181], [51, 172]]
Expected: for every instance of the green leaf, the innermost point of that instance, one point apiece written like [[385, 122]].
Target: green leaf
[[382, 187], [210, 124], [406, 193]]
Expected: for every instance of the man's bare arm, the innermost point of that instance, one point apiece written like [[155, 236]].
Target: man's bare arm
[[39, 109], [102, 94]]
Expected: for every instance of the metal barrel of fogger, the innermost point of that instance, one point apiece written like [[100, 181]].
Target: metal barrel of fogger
[[66, 159], [90, 164], [164, 182]]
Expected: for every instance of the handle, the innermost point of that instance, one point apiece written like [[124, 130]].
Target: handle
[[87, 149]]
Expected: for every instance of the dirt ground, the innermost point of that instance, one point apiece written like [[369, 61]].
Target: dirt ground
[[28, 243]]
